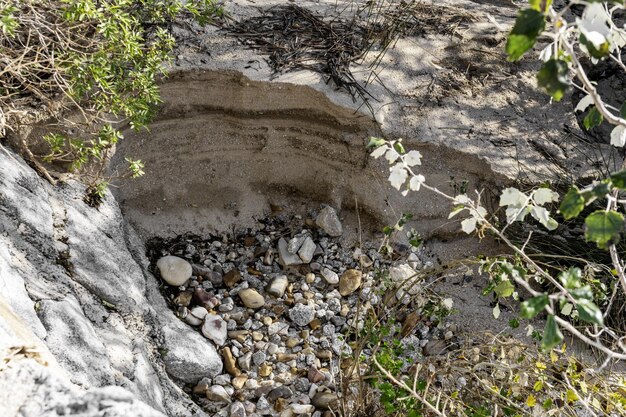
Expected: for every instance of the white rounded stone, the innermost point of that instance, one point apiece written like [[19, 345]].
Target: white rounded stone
[[174, 270]]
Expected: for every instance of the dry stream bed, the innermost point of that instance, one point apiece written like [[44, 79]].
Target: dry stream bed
[[288, 307]]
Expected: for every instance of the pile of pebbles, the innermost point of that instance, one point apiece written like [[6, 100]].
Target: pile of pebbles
[[278, 304]]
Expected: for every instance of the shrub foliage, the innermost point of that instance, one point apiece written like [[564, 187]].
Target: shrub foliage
[[90, 66]]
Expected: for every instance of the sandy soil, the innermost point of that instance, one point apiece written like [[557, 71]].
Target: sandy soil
[[450, 87]]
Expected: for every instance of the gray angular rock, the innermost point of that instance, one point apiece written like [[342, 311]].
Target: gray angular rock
[[302, 314], [39, 391], [174, 270], [278, 327], [69, 330], [329, 222], [237, 409], [295, 243], [307, 250], [414, 261], [263, 407], [259, 357], [284, 256], [245, 361], [188, 356], [102, 323], [223, 379]]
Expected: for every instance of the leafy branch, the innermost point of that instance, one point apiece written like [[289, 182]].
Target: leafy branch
[[84, 68]]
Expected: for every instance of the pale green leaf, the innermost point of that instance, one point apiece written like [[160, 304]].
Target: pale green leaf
[[530, 308], [504, 289], [618, 136], [514, 213], [543, 216], [584, 103], [380, 151], [496, 311], [567, 309], [413, 158], [416, 182], [391, 156], [542, 196], [513, 197], [468, 225], [398, 176]]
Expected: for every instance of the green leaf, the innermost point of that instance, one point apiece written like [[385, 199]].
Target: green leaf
[[530, 308], [540, 5], [544, 195], [573, 203], [488, 290], [589, 312], [593, 118], [375, 142], [528, 25], [603, 227], [571, 278], [552, 335], [547, 404], [542, 215], [619, 179], [622, 111], [582, 294], [399, 148], [504, 289], [601, 189], [567, 309], [570, 396], [553, 77], [416, 242], [595, 52], [512, 197]]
